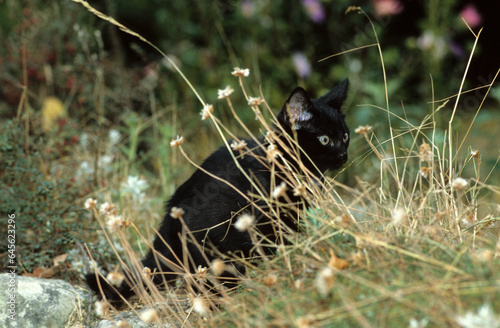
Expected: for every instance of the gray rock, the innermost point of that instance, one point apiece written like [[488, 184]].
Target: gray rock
[[130, 317], [38, 303]]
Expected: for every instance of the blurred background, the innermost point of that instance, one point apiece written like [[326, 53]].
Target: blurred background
[[100, 107]]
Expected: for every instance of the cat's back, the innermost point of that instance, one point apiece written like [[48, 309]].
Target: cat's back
[[219, 178]]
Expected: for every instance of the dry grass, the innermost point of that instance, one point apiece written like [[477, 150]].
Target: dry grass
[[414, 239]]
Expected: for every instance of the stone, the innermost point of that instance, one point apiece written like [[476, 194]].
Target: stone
[[39, 303]]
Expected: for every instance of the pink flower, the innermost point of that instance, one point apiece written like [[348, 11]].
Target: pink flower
[[301, 64], [471, 15], [387, 7], [315, 10], [247, 8]]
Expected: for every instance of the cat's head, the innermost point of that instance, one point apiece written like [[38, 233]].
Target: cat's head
[[319, 126]]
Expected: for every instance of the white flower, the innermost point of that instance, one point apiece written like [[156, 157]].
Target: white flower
[[241, 72], [398, 216], [299, 190], [177, 142], [200, 306], [272, 152], [206, 111], [202, 273], [84, 140], [238, 145], [459, 184], [485, 317], [101, 308], [90, 203], [280, 190], [414, 323], [324, 281], [244, 222], [363, 129], [107, 209], [218, 266], [116, 222], [224, 93], [115, 278], [85, 168], [255, 101], [425, 152], [149, 316], [135, 186], [114, 137], [176, 212]]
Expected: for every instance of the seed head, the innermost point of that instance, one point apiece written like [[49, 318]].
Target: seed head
[[200, 306], [280, 191], [101, 308], [206, 111], [238, 145], [363, 129], [224, 93], [324, 281], [108, 209], [90, 204], [241, 72], [149, 316], [272, 152], [424, 172], [201, 273], [255, 101], [425, 152], [299, 190], [177, 141], [244, 222], [459, 184], [116, 222], [398, 216], [270, 280], [146, 273], [176, 212], [115, 278], [218, 266]]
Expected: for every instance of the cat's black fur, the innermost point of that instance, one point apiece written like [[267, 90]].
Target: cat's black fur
[[212, 206]]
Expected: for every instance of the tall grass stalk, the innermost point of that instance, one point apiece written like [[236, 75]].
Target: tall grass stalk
[[408, 244]]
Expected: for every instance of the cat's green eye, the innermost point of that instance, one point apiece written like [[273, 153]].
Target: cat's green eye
[[324, 140], [346, 137]]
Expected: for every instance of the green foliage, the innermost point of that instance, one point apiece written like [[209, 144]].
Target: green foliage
[[47, 220]]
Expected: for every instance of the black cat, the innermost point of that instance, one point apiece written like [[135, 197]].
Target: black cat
[[211, 206]]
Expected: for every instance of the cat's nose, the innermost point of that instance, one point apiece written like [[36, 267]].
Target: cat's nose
[[343, 157]]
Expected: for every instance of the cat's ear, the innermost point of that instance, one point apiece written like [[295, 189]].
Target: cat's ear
[[297, 109], [337, 96]]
